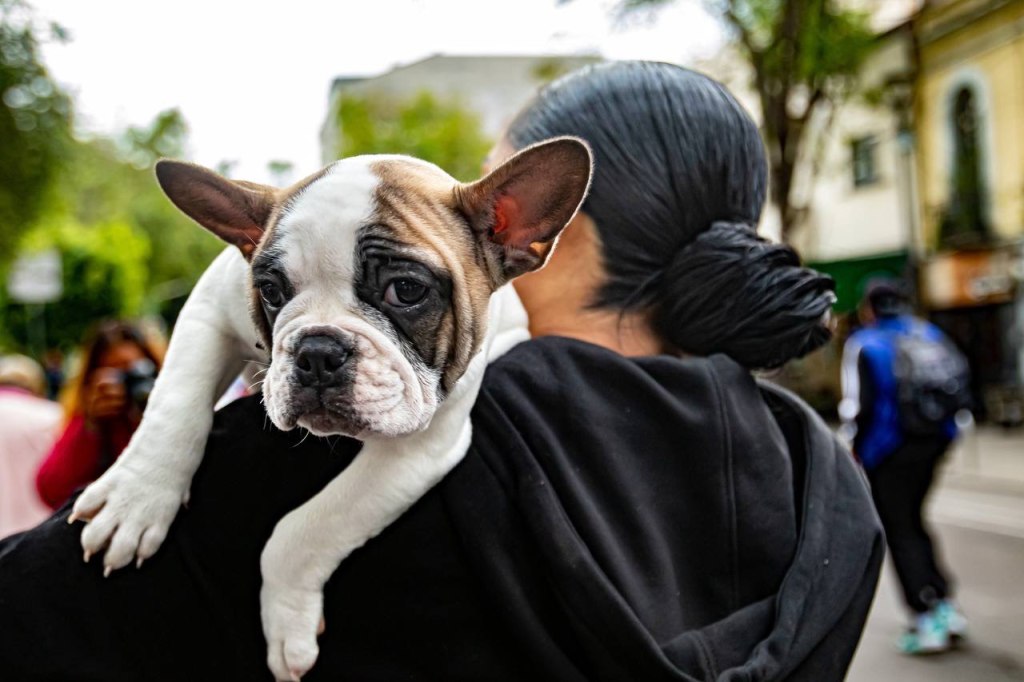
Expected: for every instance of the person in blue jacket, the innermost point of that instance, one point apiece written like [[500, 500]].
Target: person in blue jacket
[[900, 449]]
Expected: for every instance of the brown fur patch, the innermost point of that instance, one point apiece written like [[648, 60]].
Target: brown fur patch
[[418, 202]]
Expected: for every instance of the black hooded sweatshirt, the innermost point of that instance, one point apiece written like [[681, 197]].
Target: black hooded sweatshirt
[[615, 519]]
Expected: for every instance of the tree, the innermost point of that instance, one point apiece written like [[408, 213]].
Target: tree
[[442, 132], [126, 249], [104, 180], [103, 273], [34, 122], [804, 56]]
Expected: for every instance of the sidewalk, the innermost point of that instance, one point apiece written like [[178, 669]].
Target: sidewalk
[[990, 458], [977, 513], [981, 485]]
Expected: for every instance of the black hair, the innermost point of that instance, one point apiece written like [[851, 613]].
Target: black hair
[[679, 183], [887, 297]]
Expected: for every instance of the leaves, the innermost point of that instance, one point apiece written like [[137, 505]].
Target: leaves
[[34, 125], [442, 132], [103, 273], [126, 249]]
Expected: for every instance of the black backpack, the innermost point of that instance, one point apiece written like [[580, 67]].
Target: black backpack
[[933, 381]]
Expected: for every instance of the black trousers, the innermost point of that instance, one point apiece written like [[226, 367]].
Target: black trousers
[[899, 486]]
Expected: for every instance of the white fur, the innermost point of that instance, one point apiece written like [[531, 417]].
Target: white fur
[[385, 479], [318, 248], [136, 500]]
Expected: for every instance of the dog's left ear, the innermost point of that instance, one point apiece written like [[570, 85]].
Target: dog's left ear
[[235, 211], [520, 208]]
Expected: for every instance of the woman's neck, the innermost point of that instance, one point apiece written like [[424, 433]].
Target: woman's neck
[[558, 298], [625, 334]]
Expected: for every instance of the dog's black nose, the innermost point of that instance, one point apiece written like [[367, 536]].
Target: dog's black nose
[[320, 361]]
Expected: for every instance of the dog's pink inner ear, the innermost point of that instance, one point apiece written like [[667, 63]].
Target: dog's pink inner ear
[[523, 205], [512, 231]]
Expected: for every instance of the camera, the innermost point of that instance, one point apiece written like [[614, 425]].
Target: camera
[[138, 382]]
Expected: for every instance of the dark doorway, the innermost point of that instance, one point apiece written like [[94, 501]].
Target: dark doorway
[[980, 333]]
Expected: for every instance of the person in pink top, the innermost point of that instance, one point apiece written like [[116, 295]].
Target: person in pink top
[[29, 425]]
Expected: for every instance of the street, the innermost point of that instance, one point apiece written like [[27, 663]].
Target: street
[[977, 513]]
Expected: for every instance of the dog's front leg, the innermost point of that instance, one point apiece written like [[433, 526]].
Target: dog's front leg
[[131, 506], [384, 480]]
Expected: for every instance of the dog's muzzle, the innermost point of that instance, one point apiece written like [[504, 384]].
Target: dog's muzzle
[[320, 362]]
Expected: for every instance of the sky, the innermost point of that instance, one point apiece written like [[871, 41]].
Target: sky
[[252, 77]]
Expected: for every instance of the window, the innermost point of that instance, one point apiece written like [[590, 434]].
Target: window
[[865, 171]]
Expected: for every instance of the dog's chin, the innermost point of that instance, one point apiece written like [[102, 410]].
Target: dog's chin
[[324, 422], [333, 413]]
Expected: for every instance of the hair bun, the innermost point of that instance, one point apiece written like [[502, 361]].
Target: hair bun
[[731, 291]]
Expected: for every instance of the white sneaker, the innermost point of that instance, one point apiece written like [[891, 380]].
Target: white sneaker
[[952, 618], [928, 636]]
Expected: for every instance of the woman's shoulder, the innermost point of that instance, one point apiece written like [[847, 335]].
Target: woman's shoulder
[[557, 393], [569, 369]]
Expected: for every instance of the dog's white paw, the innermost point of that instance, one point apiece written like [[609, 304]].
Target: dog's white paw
[[129, 510], [292, 619]]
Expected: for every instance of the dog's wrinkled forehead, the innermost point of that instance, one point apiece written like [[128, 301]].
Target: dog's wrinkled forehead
[[317, 233]]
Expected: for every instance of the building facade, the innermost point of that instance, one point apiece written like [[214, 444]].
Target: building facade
[[969, 122], [492, 87]]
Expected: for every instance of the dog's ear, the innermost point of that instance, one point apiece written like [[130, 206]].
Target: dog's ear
[[237, 212], [521, 207]]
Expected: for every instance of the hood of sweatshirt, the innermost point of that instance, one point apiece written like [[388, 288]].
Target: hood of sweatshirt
[[691, 522]]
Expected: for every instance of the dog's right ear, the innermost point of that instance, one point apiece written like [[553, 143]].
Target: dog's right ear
[[237, 212]]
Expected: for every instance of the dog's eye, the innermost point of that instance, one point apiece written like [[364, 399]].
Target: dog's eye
[[405, 292], [272, 294]]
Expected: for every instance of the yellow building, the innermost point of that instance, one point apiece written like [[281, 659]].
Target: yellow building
[[969, 120]]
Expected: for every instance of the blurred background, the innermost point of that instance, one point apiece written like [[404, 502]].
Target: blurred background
[[895, 137]]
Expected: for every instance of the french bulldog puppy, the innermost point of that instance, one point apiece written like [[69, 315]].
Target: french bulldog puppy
[[374, 294]]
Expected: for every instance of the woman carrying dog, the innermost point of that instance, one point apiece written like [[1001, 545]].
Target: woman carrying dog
[[635, 504]]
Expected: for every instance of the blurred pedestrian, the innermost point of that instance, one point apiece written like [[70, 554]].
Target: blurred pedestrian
[[903, 384], [103, 402], [29, 424], [53, 366]]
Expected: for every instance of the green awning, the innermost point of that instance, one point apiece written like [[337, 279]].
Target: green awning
[[852, 274]]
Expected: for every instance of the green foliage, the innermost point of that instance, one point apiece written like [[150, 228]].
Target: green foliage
[[34, 123], [101, 181], [441, 132], [104, 275], [164, 137], [549, 69], [817, 43], [804, 55], [126, 250]]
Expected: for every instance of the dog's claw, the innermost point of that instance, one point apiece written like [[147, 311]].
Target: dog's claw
[[86, 555], [130, 509], [107, 571]]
